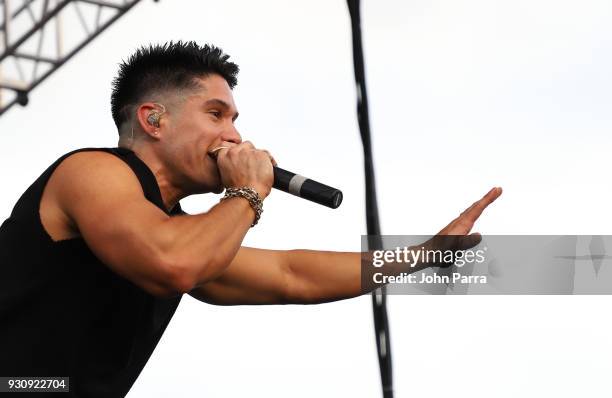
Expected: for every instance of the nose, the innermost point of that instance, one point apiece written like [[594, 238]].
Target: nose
[[232, 135]]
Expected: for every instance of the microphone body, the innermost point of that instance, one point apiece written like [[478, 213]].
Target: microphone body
[[306, 188], [300, 186]]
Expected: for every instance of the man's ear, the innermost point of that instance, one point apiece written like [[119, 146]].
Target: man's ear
[[150, 115]]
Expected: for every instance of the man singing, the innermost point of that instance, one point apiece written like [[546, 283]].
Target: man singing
[[97, 252]]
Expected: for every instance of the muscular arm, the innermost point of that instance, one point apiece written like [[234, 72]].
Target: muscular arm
[[258, 276], [102, 198]]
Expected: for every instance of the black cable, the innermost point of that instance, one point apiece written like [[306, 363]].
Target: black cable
[[379, 298]]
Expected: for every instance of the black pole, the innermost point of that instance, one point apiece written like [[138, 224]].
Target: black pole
[[379, 297]]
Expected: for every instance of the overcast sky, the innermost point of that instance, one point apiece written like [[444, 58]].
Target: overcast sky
[[464, 96]]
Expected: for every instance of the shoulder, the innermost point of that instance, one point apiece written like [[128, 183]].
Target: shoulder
[[93, 170], [81, 182], [91, 161]]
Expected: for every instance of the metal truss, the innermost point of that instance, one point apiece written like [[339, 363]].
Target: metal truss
[[39, 36]]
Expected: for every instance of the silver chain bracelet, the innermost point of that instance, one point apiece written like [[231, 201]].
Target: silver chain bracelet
[[249, 194]]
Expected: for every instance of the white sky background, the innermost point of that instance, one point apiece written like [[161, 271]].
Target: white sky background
[[464, 96]]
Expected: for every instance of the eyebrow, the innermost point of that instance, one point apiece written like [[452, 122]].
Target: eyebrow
[[223, 104]]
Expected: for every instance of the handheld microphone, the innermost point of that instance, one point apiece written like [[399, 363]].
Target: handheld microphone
[[306, 188], [301, 186]]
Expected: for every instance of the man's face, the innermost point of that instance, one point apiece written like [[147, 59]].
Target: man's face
[[202, 122]]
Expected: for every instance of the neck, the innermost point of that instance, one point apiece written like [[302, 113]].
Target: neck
[[170, 193]]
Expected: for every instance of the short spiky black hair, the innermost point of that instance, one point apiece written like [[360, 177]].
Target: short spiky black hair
[[164, 67]]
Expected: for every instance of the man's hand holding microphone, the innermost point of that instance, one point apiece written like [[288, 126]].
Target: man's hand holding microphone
[[243, 165]]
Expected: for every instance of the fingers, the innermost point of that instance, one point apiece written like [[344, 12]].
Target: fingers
[[469, 241], [246, 144], [271, 157], [456, 235], [244, 165], [472, 213], [223, 149], [463, 224], [243, 146]]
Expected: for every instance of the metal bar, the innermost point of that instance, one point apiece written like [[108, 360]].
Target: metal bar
[[6, 24], [81, 17], [19, 70], [103, 4], [36, 58], [14, 85], [1, 99], [98, 16], [11, 49], [59, 42], [17, 12], [41, 39], [8, 106], [62, 60], [44, 7], [30, 13]]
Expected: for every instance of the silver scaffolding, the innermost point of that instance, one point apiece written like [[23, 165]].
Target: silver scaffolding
[[33, 43]]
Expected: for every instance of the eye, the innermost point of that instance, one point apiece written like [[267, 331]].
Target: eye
[[216, 114]]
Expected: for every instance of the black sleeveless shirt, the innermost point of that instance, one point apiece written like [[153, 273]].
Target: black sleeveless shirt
[[63, 312]]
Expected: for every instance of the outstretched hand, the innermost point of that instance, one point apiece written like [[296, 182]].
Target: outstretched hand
[[463, 224], [456, 235]]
